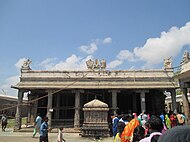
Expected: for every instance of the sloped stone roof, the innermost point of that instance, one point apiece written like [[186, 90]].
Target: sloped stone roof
[[95, 104]]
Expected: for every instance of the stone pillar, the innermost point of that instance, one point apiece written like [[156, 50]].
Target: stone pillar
[[34, 107], [18, 119], [143, 104], [77, 108], [173, 97], [185, 101], [29, 113], [57, 106], [114, 100], [142, 97], [29, 109], [49, 107]]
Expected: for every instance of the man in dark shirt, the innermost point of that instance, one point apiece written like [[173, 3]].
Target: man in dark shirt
[[44, 130], [4, 122]]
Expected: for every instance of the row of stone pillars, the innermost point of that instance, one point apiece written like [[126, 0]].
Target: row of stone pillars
[[142, 96], [49, 108], [77, 105]]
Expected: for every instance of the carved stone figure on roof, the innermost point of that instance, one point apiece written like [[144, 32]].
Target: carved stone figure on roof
[[97, 64], [103, 64], [185, 58], [168, 63], [26, 65], [90, 64]]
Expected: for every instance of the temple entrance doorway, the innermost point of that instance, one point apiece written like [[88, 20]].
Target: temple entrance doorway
[[66, 110], [42, 104], [128, 102]]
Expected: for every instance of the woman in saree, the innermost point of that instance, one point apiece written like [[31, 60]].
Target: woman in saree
[[167, 121], [127, 133]]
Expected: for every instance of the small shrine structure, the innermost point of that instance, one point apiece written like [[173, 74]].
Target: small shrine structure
[[95, 119]]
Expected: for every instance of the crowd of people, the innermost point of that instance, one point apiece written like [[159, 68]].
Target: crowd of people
[[150, 128], [167, 127]]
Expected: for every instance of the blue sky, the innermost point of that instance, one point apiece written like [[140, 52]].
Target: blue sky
[[63, 34]]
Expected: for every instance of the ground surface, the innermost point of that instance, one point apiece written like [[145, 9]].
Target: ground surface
[[10, 136]]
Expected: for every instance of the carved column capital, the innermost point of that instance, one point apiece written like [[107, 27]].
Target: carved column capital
[[50, 91], [78, 91], [142, 91], [114, 91]]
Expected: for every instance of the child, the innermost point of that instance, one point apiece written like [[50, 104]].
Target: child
[[60, 135]]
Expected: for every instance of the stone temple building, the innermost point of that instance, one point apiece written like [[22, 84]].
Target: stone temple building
[[184, 81], [61, 94]]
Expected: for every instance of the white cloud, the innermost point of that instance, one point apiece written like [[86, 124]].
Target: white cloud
[[90, 49], [168, 44], [132, 68], [107, 40], [125, 55], [48, 63], [20, 63], [6, 87], [156, 49], [13, 80], [71, 63], [114, 64], [93, 47]]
